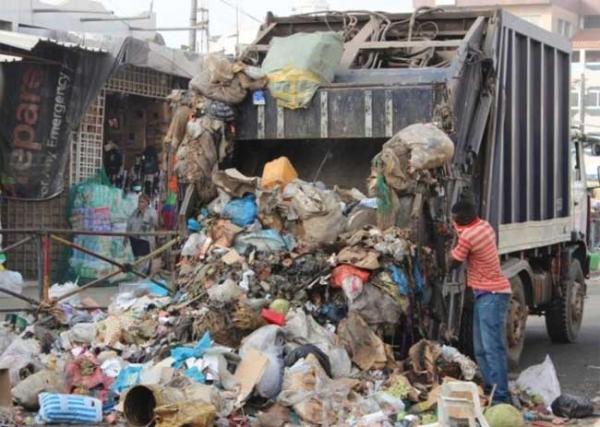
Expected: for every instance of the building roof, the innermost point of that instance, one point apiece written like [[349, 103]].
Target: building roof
[[29, 41], [587, 39]]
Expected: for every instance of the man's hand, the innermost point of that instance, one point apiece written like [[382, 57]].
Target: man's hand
[[452, 263]]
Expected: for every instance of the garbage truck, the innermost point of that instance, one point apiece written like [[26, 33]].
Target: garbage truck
[[499, 87]]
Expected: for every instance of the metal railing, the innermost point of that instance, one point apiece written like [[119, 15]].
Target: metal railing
[[43, 238]]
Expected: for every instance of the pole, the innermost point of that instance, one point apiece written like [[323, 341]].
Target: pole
[[103, 258], [193, 22], [138, 262], [40, 265], [46, 284], [582, 102]]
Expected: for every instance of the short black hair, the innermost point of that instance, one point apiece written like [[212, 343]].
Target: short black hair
[[465, 207]]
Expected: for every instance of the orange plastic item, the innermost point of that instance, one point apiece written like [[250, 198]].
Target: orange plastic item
[[279, 172], [272, 317], [344, 270]]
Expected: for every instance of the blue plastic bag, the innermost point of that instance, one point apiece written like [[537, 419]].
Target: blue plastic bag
[[418, 276], [399, 279], [127, 378], [181, 354], [267, 240], [195, 374], [241, 211]]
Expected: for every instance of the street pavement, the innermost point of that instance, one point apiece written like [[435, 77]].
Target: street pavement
[[578, 364]]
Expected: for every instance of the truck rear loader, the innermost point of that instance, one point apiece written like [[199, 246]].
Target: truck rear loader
[[499, 87]]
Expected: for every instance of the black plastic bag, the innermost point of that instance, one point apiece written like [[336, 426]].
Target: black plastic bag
[[303, 351], [569, 406]]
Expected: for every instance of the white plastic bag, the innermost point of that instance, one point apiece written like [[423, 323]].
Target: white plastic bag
[[193, 244], [58, 290], [542, 380], [269, 385], [11, 280]]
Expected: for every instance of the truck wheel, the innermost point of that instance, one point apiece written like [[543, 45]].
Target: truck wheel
[[516, 321], [563, 318]]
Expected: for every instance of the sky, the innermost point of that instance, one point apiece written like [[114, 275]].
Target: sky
[[222, 16]]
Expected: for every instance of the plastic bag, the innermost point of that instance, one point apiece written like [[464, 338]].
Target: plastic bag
[[429, 146], [268, 240], [294, 79], [263, 339], [542, 380], [11, 280], [18, 355], [225, 293], [26, 392], [269, 385], [343, 271], [570, 406], [193, 244], [181, 354], [314, 396], [302, 328], [58, 290], [352, 286], [127, 378], [304, 350], [241, 211]]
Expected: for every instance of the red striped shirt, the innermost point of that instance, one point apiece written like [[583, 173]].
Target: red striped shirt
[[477, 246]]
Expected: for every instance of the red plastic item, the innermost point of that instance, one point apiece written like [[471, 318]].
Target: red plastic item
[[272, 317], [342, 271]]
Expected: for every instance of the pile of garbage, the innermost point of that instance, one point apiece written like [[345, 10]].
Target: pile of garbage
[[281, 314]]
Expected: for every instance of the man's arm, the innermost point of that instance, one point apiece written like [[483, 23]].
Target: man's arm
[[458, 254]]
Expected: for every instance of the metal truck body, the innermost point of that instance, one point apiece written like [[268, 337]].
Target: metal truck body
[[499, 86]]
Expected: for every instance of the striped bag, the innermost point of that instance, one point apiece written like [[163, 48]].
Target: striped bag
[[68, 408]]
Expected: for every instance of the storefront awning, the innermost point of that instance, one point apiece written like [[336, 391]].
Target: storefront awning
[[28, 42]]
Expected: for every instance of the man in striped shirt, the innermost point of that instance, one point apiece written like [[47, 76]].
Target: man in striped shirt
[[476, 246]]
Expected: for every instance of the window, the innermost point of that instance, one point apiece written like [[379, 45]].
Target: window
[[591, 21], [565, 28], [592, 56], [592, 98], [576, 57]]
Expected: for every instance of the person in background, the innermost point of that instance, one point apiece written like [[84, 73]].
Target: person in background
[[143, 219], [476, 246]]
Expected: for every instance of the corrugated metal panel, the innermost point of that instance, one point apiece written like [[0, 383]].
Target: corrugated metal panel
[[28, 41], [9, 58], [530, 160]]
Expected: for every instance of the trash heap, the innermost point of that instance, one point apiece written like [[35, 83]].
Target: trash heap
[[201, 133], [281, 313]]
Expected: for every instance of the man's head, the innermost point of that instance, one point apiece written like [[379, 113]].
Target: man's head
[[464, 211], [143, 202]]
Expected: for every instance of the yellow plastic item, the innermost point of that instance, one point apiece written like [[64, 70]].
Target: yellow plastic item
[[293, 88], [279, 172]]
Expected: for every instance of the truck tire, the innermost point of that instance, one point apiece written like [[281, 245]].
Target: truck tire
[[516, 321], [563, 317]]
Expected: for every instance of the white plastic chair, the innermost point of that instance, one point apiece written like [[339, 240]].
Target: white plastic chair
[[460, 400]]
